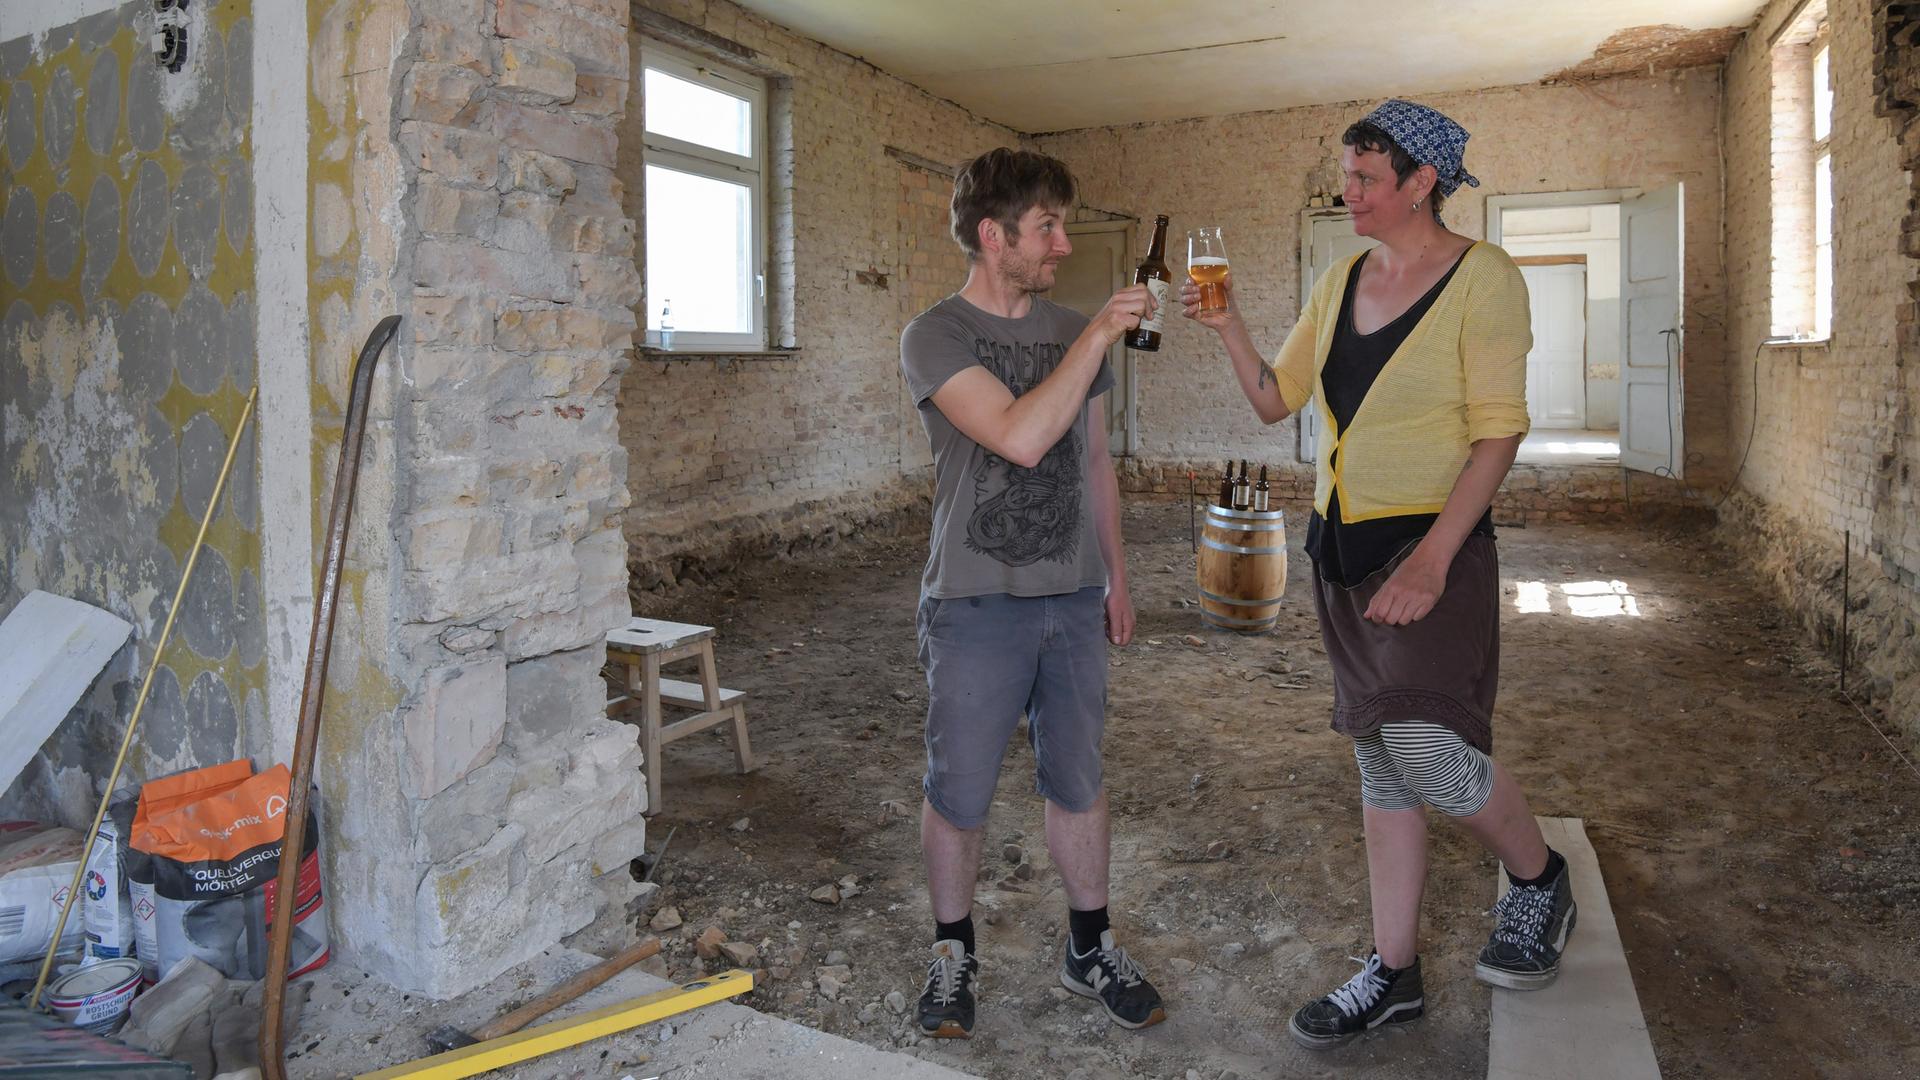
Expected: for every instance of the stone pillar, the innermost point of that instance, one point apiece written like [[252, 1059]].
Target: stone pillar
[[475, 811]]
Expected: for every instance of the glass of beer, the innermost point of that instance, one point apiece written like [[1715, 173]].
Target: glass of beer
[[1207, 266]]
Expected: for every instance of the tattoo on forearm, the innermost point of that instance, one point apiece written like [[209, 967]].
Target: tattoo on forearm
[[1266, 376]]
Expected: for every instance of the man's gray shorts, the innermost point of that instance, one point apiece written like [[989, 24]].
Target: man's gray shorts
[[991, 658]]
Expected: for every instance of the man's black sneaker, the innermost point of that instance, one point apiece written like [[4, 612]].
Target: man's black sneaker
[[1535, 922], [1370, 999], [946, 1005], [1110, 976]]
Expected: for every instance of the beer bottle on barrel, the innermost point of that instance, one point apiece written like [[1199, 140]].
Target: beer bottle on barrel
[[1242, 490], [1226, 487], [1261, 491], [1154, 275]]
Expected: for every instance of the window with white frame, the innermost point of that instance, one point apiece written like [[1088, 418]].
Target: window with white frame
[[705, 155], [1802, 176], [1822, 189]]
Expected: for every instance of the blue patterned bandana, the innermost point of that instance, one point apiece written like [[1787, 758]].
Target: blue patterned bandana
[[1429, 138]]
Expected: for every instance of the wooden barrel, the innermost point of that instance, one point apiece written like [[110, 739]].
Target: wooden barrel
[[1242, 568]]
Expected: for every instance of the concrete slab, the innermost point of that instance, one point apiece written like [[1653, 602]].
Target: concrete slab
[[354, 1025], [51, 650], [1588, 1024]]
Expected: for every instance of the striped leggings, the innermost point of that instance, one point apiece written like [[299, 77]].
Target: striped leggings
[[1408, 763]]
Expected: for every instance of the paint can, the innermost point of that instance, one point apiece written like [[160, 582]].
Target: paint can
[[95, 997]]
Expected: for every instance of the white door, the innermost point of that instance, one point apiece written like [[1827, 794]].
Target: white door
[[1084, 281], [1557, 366], [1326, 237], [1652, 338]]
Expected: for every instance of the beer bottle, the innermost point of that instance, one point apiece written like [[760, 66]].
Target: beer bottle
[[1226, 487], [1242, 490], [1154, 275], [1260, 491]]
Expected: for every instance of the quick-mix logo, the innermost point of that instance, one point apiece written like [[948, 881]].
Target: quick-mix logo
[[276, 807]]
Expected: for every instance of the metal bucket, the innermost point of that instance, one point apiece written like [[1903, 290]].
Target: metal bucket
[[95, 997]]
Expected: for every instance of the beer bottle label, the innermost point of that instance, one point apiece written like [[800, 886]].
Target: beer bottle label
[[1158, 289]]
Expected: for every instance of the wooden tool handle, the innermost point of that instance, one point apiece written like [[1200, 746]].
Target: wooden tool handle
[[566, 991]]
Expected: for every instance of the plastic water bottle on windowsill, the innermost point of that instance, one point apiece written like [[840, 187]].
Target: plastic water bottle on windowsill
[[666, 324]]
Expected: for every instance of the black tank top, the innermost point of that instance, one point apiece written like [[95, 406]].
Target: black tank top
[[1347, 554]]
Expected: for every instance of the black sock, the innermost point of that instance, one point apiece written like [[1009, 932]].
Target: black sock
[[961, 931], [1555, 864], [1389, 970], [1086, 928]]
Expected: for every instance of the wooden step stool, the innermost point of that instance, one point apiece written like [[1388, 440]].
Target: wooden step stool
[[642, 647]]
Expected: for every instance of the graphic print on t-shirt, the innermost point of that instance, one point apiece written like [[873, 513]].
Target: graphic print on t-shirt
[[1022, 516]]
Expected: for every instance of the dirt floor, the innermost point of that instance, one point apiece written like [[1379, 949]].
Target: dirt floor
[[1758, 840]]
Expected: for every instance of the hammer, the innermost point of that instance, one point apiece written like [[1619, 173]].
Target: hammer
[[447, 1037]]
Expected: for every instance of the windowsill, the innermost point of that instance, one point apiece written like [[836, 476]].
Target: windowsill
[[654, 352], [1799, 343]]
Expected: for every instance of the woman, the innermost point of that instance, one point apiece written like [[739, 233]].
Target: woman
[[1414, 353]]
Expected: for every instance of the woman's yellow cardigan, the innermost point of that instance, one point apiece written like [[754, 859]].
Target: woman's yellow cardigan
[[1461, 376]]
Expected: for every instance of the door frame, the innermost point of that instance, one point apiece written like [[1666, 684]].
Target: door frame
[[1596, 197], [1118, 356]]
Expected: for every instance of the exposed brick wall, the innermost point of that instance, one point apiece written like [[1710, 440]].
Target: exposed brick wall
[[766, 452], [1831, 425]]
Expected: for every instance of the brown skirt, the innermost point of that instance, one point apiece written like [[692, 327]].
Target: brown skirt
[[1444, 668]]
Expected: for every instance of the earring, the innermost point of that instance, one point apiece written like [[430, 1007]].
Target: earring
[[1416, 204]]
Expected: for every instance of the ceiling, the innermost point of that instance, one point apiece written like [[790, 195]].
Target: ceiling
[[1052, 65]]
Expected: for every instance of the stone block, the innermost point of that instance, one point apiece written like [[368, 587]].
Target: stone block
[[526, 222], [537, 330], [468, 212], [456, 724], [608, 281], [535, 75], [438, 92], [452, 538], [615, 849], [531, 170], [466, 815], [599, 95], [598, 46], [550, 696], [490, 910], [451, 265], [538, 634], [457, 154], [585, 139], [452, 320]]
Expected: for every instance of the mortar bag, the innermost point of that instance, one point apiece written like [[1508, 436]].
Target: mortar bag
[[214, 862], [106, 907], [36, 871], [160, 796]]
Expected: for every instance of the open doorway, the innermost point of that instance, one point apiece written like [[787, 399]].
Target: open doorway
[[1635, 338], [1570, 257]]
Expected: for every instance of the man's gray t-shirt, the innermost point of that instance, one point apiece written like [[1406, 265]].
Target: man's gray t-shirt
[[999, 527]]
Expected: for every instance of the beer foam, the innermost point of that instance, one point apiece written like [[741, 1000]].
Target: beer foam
[[1207, 260]]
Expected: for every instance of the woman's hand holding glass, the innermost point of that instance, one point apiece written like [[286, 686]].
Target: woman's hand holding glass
[[1212, 320]]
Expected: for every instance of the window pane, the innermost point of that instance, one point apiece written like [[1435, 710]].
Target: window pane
[[698, 114], [1823, 246], [1822, 94], [699, 252]]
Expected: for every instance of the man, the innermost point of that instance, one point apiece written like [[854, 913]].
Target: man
[[1025, 576]]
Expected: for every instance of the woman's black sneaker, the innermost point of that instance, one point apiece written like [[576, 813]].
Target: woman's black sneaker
[[946, 1005], [1535, 923], [1376, 996], [1108, 975]]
